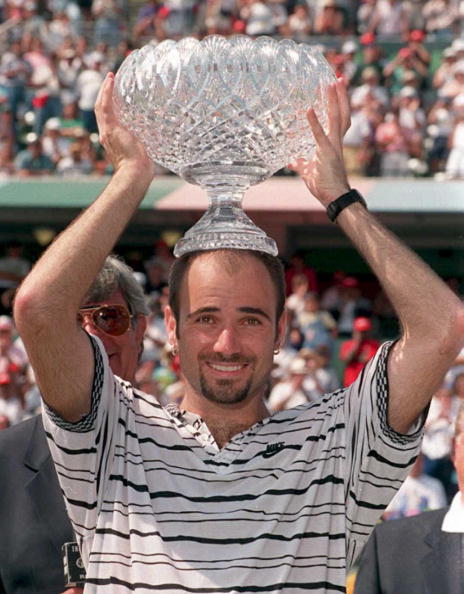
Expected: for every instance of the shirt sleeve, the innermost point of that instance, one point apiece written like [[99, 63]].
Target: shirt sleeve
[[378, 458], [83, 451]]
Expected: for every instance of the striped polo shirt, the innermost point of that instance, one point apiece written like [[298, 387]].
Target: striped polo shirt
[[284, 507]]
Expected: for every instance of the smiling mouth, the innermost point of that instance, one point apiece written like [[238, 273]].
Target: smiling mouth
[[227, 368]]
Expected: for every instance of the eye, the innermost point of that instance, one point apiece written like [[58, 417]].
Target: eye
[[252, 322], [205, 319]]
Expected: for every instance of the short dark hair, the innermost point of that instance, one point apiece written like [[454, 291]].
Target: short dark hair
[[272, 264]]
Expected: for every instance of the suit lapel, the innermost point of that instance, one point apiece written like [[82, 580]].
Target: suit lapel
[[443, 564], [44, 490]]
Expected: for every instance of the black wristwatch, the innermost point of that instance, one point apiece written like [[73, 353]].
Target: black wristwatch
[[336, 207]]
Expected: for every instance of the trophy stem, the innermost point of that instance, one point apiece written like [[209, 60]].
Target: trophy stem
[[225, 225]]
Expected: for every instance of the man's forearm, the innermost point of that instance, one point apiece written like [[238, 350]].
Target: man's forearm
[[66, 270], [431, 315]]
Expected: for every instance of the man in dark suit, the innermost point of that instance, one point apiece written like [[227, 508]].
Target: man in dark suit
[[422, 554], [33, 519]]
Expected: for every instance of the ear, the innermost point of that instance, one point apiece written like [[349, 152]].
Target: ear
[[171, 325]]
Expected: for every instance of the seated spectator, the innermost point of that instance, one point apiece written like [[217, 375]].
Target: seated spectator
[[75, 163], [321, 377], [370, 89], [419, 493], [330, 20], [393, 147], [411, 118], [109, 21], [349, 66], [15, 72], [350, 305], [438, 439], [88, 84], [389, 19], [364, 15], [406, 60], [445, 70], [31, 161], [299, 266], [290, 392], [54, 144], [455, 86], [358, 140], [68, 69], [357, 351], [258, 18], [298, 25], [296, 300], [7, 140], [372, 56], [455, 163], [440, 123], [441, 17], [317, 325]]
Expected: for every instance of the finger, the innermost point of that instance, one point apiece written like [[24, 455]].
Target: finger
[[333, 111], [344, 105], [319, 135], [102, 93]]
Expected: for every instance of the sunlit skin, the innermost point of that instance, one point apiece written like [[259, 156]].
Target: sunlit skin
[[226, 337], [123, 351]]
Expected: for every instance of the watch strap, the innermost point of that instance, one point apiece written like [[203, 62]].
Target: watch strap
[[340, 203]]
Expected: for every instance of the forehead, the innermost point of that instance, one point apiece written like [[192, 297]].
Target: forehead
[[116, 298], [227, 281]]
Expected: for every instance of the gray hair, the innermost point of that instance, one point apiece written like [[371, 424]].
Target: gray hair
[[117, 275]]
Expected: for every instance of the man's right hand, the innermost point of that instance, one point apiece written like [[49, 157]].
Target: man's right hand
[[122, 148]]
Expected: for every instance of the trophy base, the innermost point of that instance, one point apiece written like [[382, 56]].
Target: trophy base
[[225, 226]]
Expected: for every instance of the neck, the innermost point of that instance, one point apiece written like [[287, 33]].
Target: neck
[[226, 420]]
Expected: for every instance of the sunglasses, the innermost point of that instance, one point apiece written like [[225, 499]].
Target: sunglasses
[[110, 319]]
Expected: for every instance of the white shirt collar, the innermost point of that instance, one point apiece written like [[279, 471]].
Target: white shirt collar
[[454, 518]]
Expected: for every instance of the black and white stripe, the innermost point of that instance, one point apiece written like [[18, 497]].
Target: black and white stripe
[[284, 507]]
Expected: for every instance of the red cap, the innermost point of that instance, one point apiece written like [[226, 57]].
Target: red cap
[[5, 378], [417, 35], [367, 39], [362, 324], [350, 282]]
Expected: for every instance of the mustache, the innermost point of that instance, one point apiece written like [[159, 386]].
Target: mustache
[[218, 358]]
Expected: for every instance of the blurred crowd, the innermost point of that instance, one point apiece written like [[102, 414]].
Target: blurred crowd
[[334, 328], [403, 62]]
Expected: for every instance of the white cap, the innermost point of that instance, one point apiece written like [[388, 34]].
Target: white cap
[[53, 124], [349, 47], [298, 366]]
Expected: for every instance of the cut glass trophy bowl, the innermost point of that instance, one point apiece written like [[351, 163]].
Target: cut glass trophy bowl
[[224, 113]]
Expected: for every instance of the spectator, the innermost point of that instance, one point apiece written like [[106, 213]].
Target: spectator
[[299, 266], [455, 160], [75, 163], [419, 493], [13, 269], [438, 439], [330, 20], [393, 146], [370, 89], [88, 84], [317, 325], [389, 19], [258, 18], [350, 305], [454, 87], [358, 140], [299, 25], [290, 392], [32, 161], [15, 72], [441, 17], [411, 119], [418, 554], [7, 140], [355, 353], [54, 144], [445, 70], [405, 61], [295, 302], [109, 21]]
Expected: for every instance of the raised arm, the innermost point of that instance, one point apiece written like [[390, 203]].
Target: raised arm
[[47, 303], [431, 315]]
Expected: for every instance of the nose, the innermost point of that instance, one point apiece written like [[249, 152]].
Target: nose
[[227, 342]]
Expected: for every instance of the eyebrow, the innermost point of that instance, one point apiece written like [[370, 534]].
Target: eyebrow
[[245, 309]]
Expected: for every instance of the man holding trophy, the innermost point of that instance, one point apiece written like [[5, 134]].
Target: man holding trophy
[[216, 495]]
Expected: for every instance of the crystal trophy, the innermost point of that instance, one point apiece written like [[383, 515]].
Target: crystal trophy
[[223, 113]]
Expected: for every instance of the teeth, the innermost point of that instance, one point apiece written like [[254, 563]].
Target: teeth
[[226, 367]]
